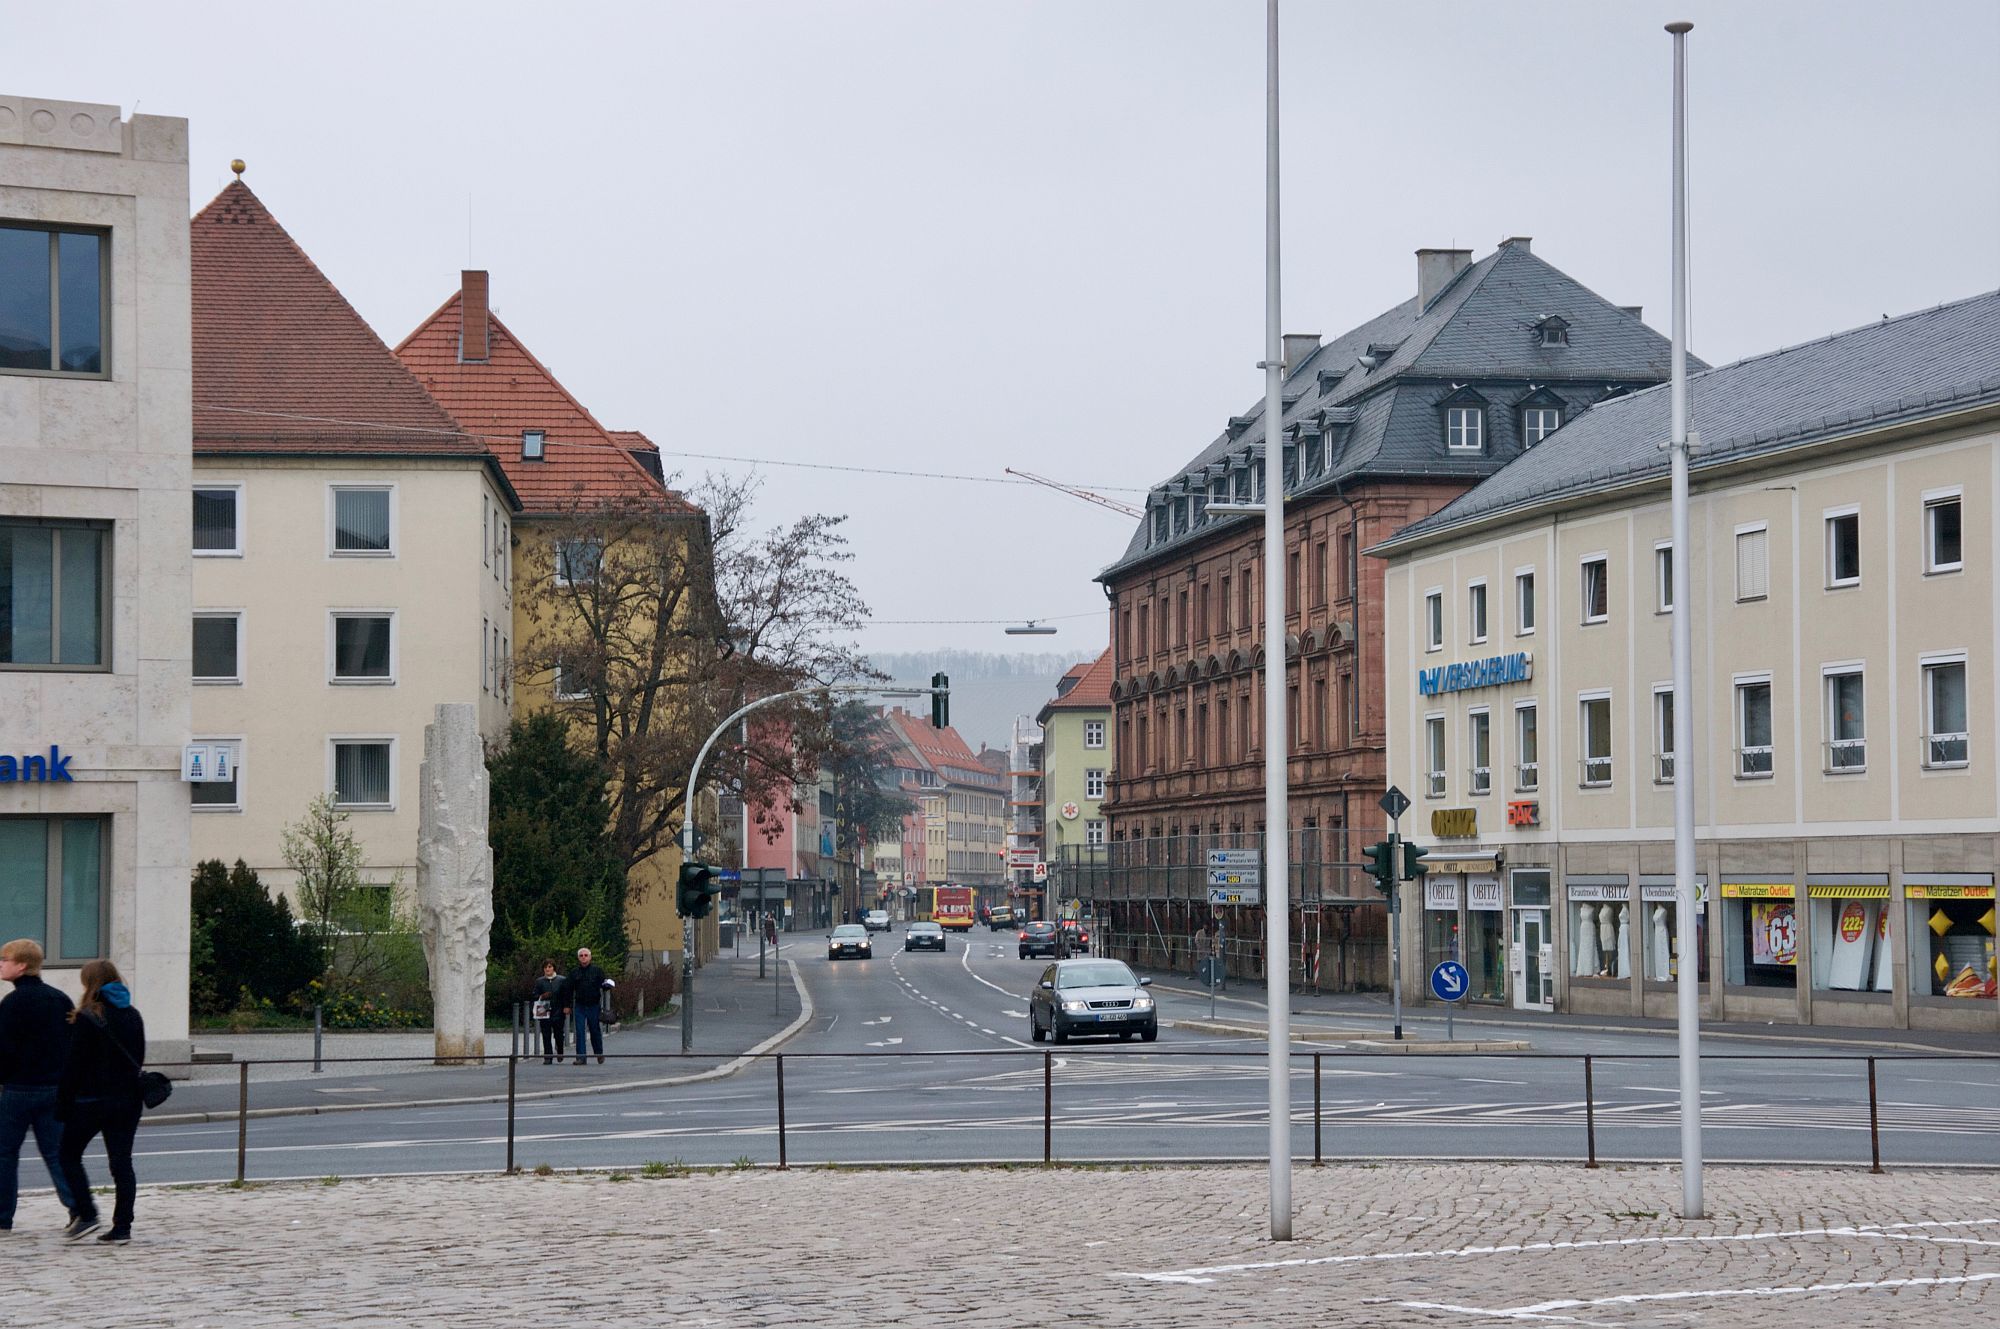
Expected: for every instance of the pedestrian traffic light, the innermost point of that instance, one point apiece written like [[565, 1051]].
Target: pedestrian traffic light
[[1382, 865], [940, 701], [698, 889], [1413, 861]]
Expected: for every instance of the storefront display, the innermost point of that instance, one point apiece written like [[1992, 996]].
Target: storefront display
[[1760, 934], [1850, 945], [1952, 940], [1485, 939], [1441, 939], [1600, 929], [1658, 907]]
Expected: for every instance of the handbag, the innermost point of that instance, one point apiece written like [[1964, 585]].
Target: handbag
[[541, 1008], [154, 1088]]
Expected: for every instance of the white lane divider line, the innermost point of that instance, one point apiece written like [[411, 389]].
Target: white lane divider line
[[1208, 1273], [1545, 1310]]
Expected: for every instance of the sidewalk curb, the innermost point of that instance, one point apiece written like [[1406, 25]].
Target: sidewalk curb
[[728, 1068], [1423, 1012], [1377, 1045]]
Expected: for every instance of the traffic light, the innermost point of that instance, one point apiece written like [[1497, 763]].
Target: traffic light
[[1382, 865], [698, 889], [940, 701], [1413, 861]]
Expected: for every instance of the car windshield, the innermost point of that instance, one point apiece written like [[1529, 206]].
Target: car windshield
[[925, 927], [1102, 974], [850, 930]]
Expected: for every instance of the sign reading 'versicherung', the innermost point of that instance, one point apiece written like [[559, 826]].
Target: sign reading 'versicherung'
[[1491, 672]]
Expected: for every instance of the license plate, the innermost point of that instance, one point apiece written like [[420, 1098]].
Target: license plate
[[1112, 1015]]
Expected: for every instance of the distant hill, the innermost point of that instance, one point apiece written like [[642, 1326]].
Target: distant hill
[[988, 690]]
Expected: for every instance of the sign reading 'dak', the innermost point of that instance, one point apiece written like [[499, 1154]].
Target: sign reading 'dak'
[[52, 769]]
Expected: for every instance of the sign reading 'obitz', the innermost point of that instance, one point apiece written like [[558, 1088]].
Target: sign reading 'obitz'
[[35, 768]]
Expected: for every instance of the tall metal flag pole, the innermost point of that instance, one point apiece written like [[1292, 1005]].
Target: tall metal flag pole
[[1277, 867], [1687, 937]]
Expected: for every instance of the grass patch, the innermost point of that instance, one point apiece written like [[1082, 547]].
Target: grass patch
[[742, 1162], [621, 1176], [544, 1170], [672, 1167], [329, 1181]]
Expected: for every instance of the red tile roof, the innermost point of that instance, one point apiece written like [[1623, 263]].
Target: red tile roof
[[937, 747], [1092, 689], [283, 364], [511, 391]]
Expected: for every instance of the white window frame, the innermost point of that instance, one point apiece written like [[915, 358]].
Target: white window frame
[[1663, 576], [235, 741], [1093, 832], [1093, 734], [1834, 744], [1665, 759], [1527, 774], [1933, 500], [1531, 422], [334, 741], [1927, 662], [1746, 595], [1434, 619], [1595, 772], [1434, 755], [485, 664], [1602, 561], [1524, 624], [1465, 422], [1480, 777], [1830, 516], [1745, 754], [562, 580], [219, 681], [332, 655], [233, 486], [560, 693], [1476, 609], [486, 521], [534, 445], [333, 493], [1093, 783]]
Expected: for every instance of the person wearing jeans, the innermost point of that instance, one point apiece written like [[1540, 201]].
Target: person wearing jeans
[[99, 1095], [586, 993], [32, 1038]]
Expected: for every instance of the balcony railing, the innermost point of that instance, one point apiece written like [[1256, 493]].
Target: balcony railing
[[1945, 750], [1434, 784], [1754, 762], [1846, 756], [1663, 768], [1596, 772], [1482, 779], [1528, 777]]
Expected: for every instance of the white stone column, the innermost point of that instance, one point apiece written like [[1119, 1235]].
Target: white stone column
[[455, 879]]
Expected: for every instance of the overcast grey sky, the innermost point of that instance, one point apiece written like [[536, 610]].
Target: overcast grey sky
[[962, 236]]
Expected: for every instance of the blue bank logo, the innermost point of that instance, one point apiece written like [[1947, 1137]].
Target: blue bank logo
[[1491, 672], [35, 768]]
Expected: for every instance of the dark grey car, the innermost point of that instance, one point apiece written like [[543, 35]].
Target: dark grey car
[[1091, 997]]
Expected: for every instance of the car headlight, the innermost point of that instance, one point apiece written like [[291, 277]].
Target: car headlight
[[1076, 1005], [1142, 1003]]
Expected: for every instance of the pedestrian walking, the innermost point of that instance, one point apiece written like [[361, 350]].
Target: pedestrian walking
[[99, 1094], [550, 1005], [586, 996], [33, 1041]]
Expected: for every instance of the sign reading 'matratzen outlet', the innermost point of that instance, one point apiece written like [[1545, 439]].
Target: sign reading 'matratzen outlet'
[[35, 768], [1491, 672]]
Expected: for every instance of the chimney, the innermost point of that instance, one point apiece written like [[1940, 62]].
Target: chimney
[[1636, 311], [1520, 242], [1435, 270], [1299, 347], [472, 323]]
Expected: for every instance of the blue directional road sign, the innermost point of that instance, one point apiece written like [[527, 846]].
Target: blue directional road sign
[[1449, 981]]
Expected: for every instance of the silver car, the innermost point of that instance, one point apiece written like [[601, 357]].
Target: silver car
[[1091, 997]]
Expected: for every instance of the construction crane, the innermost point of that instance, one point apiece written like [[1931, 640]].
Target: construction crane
[[1083, 494]]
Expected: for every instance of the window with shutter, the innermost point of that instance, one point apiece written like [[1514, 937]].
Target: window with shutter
[[1753, 578]]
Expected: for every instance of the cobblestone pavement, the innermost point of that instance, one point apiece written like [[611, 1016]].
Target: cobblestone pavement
[[1393, 1245]]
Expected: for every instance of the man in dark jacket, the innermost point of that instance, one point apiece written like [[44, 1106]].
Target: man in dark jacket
[[33, 1040], [586, 991]]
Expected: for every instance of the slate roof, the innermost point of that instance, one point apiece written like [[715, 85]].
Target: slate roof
[[512, 391], [1481, 326], [283, 363], [1091, 691], [1894, 370]]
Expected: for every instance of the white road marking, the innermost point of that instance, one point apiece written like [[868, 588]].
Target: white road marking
[[1542, 1310]]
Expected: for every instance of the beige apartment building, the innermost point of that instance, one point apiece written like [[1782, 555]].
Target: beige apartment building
[[94, 464], [1846, 619], [351, 556]]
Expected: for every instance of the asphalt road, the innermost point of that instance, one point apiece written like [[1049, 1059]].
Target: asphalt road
[[964, 1083]]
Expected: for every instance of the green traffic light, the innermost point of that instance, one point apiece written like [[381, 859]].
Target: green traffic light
[[1414, 868]]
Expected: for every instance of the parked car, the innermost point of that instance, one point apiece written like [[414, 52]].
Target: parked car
[[1038, 938], [923, 936], [849, 939], [1091, 997], [875, 920], [999, 918]]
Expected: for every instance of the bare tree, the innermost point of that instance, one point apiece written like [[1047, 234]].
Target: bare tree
[[654, 625]]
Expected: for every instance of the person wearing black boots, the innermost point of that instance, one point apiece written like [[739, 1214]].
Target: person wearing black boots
[[551, 1000], [99, 1094]]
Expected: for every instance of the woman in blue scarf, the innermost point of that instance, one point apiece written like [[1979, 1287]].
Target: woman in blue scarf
[[100, 1094]]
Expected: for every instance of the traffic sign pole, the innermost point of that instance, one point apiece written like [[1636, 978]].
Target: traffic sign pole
[[1395, 802]]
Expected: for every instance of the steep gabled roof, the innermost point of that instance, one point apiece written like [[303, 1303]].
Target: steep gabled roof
[[1891, 371], [1483, 325], [283, 363], [939, 748], [512, 391], [1090, 692]]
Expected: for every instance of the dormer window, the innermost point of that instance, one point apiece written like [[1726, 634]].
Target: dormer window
[[533, 443], [1538, 422], [1180, 516], [1465, 429], [1552, 331], [1316, 453], [1160, 525]]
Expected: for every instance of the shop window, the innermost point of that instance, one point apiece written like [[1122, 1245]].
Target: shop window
[[1441, 931], [1596, 714], [1527, 749], [55, 597], [1434, 756], [1951, 941], [1850, 938], [1479, 744], [1946, 741], [1485, 939], [1753, 729], [1600, 930], [1760, 935], [1659, 942], [1846, 723], [52, 884]]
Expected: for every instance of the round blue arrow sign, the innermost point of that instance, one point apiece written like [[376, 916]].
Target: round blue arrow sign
[[1449, 981]]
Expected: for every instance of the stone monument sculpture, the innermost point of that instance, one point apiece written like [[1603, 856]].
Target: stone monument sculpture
[[455, 879]]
